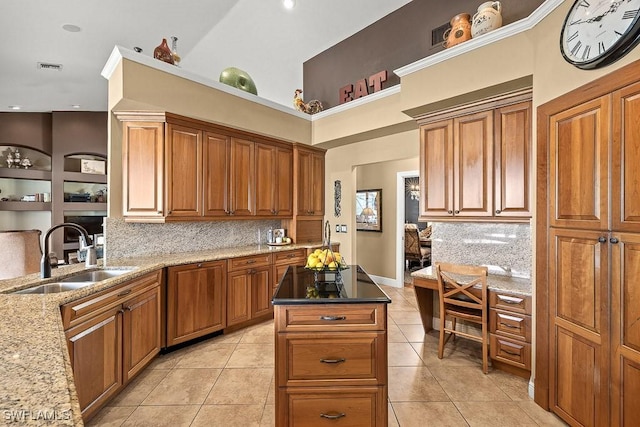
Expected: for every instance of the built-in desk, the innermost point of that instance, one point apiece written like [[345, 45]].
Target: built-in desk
[[509, 316]]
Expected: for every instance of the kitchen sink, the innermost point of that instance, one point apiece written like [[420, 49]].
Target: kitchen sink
[[76, 281], [53, 288], [95, 276]]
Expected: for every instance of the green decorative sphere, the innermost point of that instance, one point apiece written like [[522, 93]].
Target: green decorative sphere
[[235, 77]]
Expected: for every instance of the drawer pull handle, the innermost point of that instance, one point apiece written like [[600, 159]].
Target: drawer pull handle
[[506, 325], [510, 300], [333, 416], [127, 292], [333, 318], [251, 261], [291, 256], [333, 360], [510, 352]]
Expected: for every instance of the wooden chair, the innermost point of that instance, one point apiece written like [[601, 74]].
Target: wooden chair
[[463, 295], [413, 250]]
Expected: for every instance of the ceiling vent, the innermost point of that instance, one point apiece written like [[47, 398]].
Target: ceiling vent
[[49, 66]]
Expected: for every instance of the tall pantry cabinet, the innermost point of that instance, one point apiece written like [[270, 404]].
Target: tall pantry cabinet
[[593, 253]]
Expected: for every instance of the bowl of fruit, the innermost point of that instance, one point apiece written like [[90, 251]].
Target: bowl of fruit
[[325, 260]]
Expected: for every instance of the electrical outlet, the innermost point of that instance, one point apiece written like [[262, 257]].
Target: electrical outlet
[[337, 228], [343, 228]]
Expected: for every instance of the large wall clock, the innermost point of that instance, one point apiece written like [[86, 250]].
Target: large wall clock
[[596, 33]]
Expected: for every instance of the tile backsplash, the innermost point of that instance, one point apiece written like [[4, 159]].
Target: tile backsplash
[[124, 239], [504, 248]]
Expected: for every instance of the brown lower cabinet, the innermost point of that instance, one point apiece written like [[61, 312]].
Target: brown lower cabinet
[[331, 372], [249, 288], [111, 336], [196, 300]]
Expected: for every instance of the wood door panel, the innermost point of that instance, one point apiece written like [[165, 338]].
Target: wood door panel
[[95, 350], [242, 177], [579, 166], [436, 156], [630, 294], [141, 333], [238, 297], [512, 175], [184, 168], [473, 165], [625, 173], [216, 174], [577, 363], [630, 381], [317, 184], [262, 290], [143, 169], [579, 278], [266, 179], [284, 182]]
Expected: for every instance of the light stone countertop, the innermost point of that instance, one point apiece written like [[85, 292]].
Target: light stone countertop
[[36, 379], [496, 282]]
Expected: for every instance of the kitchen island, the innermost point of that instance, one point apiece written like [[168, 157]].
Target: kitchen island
[[331, 348]]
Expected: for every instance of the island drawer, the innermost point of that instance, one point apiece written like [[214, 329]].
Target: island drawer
[[353, 358], [510, 302], [82, 309], [513, 352], [339, 406], [249, 262], [295, 256], [331, 317], [513, 325]]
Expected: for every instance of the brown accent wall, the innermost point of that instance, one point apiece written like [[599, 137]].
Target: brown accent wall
[[398, 39], [27, 129]]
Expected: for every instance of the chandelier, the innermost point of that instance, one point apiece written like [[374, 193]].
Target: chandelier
[[412, 187]]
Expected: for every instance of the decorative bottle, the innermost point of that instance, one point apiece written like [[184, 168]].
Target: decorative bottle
[[163, 53], [174, 50], [459, 32]]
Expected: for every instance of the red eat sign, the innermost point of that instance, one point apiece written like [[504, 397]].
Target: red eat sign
[[347, 93]]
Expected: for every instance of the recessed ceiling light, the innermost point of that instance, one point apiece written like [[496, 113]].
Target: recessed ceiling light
[[15, 107], [289, 4], [71, 28], [76, 106]]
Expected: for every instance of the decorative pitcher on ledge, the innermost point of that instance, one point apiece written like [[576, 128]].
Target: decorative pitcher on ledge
[[488, 18], [459, 32]]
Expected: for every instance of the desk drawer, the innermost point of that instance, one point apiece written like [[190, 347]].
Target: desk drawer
[[510, 302], [513, 352], [331, 317], [513, 325], [353, 358], [340, 406]]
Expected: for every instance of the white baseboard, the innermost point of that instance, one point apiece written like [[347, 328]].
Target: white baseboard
[[387, 281], [531, 388]]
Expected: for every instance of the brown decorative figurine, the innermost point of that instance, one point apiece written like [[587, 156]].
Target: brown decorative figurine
[[163, 53], [311, 107]]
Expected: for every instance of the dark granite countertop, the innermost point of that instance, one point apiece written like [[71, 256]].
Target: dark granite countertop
[[349, 286]]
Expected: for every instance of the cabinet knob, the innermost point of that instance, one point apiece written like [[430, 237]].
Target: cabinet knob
[[170, 212], [456, 212], [273, 212], [199, 265], [614, 240], [449, 212], [602, 239], [498, 211], [159, 212]]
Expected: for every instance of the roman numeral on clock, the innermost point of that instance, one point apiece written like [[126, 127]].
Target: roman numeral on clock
[[601, 48], [584, 3], [572, 36], [585, 53], [576, 48], [629, 14]]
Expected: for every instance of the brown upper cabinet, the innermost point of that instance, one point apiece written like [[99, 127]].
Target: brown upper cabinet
[[477, 165], [310, 182], [176, 168]]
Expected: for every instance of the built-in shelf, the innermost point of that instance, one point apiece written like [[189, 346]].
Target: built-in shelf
[[85, 177], [26, 206], [34, 174], [84, 206]]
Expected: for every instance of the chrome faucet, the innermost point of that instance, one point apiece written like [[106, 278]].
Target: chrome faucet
[[45, 263]]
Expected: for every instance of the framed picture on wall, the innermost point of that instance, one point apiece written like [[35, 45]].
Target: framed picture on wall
[[369, 210]]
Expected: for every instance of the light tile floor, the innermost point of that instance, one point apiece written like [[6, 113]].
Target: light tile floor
[[228, 381]]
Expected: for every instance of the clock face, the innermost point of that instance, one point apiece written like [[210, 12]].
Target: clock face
[[597, 32]]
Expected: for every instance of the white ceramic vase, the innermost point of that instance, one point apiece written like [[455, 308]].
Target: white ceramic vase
[[488, 18]]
